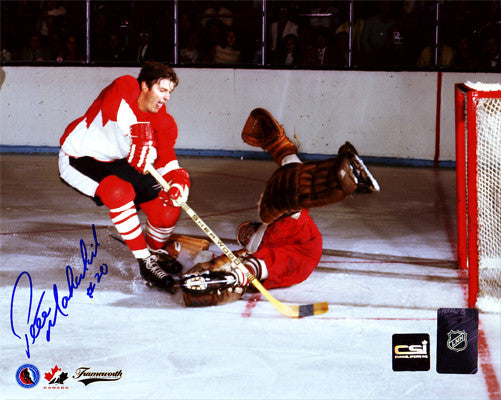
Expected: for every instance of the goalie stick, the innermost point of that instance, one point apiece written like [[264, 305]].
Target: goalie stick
[[177, 244], [294, 311]]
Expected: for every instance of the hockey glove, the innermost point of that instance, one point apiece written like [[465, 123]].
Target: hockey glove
[[142, 149], [179, 180], [262, 130]]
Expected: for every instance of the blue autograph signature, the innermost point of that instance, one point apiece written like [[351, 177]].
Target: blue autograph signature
[[46, 318]]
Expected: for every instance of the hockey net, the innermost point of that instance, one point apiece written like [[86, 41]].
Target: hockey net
[[478, 168]]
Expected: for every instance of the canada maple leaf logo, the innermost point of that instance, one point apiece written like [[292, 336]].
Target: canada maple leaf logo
[[52, 373], [54, 377]]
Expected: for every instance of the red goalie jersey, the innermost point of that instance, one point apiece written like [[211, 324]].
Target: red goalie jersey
[[291, 248]]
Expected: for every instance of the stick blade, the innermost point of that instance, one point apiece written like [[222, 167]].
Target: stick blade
[[305, 310]]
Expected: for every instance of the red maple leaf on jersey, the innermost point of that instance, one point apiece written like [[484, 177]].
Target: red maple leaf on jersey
[[53, 371]]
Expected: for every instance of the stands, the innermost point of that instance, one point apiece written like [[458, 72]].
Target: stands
[[382, 34]]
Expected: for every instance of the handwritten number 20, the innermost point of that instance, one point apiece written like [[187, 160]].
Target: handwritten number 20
[[103, 270]]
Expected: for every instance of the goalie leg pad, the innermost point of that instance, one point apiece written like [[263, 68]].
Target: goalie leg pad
[[294, 187], [262, 130]]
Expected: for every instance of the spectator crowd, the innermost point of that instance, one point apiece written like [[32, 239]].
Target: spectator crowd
[[310, 34]]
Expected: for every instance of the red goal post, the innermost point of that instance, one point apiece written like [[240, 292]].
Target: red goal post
[[478, 185]]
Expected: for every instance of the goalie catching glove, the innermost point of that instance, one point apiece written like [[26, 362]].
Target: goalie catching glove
[[262, 130], [219, 282], [142, 149]]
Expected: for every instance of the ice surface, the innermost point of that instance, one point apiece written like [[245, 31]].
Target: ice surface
[[388, 265]]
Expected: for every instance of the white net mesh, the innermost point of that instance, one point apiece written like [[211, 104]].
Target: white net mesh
[[489, 197]]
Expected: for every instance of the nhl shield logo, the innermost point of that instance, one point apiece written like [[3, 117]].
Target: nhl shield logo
[[457, 340]]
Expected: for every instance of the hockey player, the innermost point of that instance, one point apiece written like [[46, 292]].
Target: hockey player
[[105, 152], [285, 247]]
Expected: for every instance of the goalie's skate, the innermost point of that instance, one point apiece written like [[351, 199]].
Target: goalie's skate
[[347, 150], [366, 183], [152, 272]]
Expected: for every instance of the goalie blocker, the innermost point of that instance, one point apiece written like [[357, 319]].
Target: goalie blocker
[[218, 282]]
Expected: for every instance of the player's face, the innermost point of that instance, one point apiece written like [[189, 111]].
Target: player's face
[[152, 99]]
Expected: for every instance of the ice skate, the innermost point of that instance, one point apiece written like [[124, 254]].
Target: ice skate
[[167, 262], [366, 183], [152, 272]]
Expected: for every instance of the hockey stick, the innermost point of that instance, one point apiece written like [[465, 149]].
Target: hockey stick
[[294, 311]]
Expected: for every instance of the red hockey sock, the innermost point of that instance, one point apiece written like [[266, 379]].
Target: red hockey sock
[[256, 267], [118, 196], [157, 237], [128, 225], [162, 220]]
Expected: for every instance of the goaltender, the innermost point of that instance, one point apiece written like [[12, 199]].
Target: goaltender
[[285, 247]]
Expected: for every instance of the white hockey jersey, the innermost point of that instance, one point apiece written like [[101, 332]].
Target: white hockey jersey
[[104, 131]]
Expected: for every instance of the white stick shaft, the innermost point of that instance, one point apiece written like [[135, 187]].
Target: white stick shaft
[[193, 215]]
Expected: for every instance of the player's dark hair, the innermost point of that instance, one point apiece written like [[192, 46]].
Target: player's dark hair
[[153, 71]]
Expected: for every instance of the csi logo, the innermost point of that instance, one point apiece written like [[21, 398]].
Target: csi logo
[[413, 349], [411, 352]]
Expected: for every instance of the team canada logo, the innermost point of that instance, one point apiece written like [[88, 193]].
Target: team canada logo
[[457, 340], [56, 378]]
